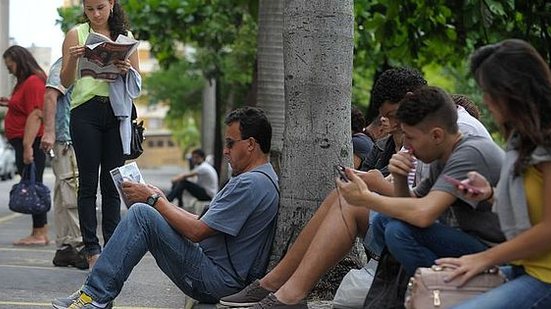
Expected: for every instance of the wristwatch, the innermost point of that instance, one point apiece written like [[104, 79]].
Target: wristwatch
[[152, 199]]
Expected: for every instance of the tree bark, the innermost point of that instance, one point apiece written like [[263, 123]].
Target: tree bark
[[318, 49], [270, 86]]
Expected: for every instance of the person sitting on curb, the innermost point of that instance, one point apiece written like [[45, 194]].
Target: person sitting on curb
[[207, 257], [331, 232], [434, 220], [516, 83], [57, 139], [207, 180]]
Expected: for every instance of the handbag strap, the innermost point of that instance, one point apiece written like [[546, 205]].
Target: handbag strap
[[29, 172], [273, 226]]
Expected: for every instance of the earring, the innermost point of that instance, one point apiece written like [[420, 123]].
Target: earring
[[111, 14]]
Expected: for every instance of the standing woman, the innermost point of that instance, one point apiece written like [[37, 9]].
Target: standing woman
[[23, 125], [516, 83], [94, 127]]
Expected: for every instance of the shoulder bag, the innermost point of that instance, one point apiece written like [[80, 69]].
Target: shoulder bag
[[29, 196], [427, 288], [137, 137]]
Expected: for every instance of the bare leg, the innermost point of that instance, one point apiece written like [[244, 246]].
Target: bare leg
[[287, 266], [333, 240]]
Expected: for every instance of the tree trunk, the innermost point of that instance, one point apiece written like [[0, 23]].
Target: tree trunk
[[270, 88], [208, 116], [318, 50]]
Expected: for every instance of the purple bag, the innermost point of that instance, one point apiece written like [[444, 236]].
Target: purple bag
[[29, 196]]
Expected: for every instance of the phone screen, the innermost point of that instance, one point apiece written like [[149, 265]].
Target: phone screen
[[457, 183]]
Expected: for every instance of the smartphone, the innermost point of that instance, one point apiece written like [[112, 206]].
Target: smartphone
[[409, 149], [342, 174], [465, 185]]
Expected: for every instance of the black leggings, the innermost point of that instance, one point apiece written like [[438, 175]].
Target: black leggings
[[39, 220], [97, 144]]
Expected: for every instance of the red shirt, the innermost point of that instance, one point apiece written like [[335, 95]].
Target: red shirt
[[27, 97]]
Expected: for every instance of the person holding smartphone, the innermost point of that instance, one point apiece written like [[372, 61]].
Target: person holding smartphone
[[434, 219], [516, 83]]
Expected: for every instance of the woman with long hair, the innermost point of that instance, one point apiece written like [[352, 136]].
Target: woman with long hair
[[516, 83], [94, 127], [23, 125]]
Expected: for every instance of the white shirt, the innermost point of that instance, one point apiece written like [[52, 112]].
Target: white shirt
[[207, 178]]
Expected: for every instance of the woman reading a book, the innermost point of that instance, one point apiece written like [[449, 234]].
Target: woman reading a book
[[94, 127]]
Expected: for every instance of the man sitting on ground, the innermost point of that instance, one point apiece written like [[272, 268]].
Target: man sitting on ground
[[331, 232], [207, 257], [203, 189]]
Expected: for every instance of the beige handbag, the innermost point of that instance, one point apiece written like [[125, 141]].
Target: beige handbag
[[427, 288]]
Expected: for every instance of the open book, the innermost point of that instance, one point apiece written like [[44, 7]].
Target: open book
[[128, 172], [101, 53]]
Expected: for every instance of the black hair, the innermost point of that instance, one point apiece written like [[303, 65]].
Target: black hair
[[394, 83], [357, 120], [118, 23], [25, 62], [199, 152], [518, 81], [466, 102], [430, 105], [252, 123]]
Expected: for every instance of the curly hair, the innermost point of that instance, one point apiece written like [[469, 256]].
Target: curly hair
[[465, 102], [394, 83], [118, 23], [518, 81], [25, 62], [253, 122], [428, 105], [357, 120]]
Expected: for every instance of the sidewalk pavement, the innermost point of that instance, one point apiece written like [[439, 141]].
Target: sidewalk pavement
[[29, 280]]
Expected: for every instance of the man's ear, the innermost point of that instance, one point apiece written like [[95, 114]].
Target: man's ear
[[437, 135]]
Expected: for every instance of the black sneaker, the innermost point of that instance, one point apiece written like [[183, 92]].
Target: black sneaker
[[271, 302], [69, 256], [250, 295]]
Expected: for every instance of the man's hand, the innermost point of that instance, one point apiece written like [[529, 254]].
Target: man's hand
[[47, 141], [401, 164], [138, 192], [28, 155], [372, 178], [355, 191]]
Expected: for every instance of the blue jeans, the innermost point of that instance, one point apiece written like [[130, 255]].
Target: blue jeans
[[521, 291], [417, 247], [144, 229]]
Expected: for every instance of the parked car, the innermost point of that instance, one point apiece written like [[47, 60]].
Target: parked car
[[7, 160]]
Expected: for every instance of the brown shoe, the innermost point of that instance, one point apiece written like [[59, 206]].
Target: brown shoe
[[92, 259], [271, 302], [249, 296]]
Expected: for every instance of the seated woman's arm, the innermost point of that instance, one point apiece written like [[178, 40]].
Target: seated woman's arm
[[535, 241]]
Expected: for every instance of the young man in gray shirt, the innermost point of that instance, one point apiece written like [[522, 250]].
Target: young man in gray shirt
[[432, 220]]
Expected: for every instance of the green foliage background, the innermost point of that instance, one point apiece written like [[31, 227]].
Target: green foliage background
[[436, 36]]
